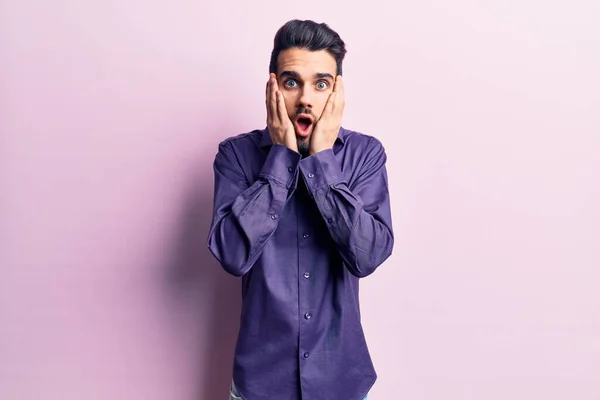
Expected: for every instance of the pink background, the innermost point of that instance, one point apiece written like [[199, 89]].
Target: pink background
[[111, 112]]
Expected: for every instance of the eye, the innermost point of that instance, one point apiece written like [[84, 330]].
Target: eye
[[290, 83], [322, 85]]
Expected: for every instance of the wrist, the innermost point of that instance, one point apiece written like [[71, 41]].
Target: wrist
[[316, 149], [317, 146]]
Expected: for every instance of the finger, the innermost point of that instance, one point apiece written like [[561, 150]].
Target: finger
[[267, 91], [268, 101], [330, 103], [338, 89], [273, 98], [281, 110], [275, 84], [327, 109], [268, 86], [339, 85]]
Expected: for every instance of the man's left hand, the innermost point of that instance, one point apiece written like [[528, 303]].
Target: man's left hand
[[328, 126]]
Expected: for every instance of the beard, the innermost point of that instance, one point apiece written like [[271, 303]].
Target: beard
[[303, 145], [303, 142]]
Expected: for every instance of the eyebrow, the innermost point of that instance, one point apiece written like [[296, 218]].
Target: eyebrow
[[318, 75]]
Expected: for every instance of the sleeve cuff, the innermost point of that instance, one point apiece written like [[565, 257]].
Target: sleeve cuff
[[320, 170], [281, 166]]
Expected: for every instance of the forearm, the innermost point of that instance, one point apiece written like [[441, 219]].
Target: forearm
[[359, 220], [245, 218]]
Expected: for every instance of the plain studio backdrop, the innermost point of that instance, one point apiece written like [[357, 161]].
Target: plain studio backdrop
[[110, 116]]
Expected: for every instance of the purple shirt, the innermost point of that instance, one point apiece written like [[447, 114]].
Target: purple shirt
[[301, 232]]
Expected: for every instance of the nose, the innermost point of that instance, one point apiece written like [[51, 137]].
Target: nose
[[304, 100]]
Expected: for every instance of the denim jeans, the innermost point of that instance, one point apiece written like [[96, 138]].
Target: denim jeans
[[234, 395]]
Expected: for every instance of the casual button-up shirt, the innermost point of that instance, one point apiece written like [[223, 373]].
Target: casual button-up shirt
[[301, 232]]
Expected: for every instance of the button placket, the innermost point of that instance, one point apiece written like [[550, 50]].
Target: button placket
[[304, 237]]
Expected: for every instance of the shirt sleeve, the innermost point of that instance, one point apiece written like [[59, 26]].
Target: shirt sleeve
[[358, 217], [246, 215]]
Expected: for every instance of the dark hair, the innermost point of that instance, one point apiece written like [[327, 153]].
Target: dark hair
[[308, 35]]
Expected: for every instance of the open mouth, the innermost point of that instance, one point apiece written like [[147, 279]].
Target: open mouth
[[303, 125]]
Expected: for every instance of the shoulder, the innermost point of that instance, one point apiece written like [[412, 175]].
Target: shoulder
[[362, 142], [242, 141]]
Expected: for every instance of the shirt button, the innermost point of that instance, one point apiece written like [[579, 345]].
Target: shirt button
[[330, 220], [305, 236], [311, 175], [273, 216], [307, 315], [306, 355], [307, 275], [290, 169]]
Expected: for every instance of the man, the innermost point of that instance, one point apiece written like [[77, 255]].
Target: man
[[301, 212]]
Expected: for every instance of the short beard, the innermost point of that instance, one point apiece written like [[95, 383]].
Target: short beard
[[304, 143], [304, 146]]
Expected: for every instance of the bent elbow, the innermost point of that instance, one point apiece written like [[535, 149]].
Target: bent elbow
[[234, 270], [364, 263], [231, 265]]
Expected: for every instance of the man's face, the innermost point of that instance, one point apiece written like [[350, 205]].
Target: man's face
[[306, 79]]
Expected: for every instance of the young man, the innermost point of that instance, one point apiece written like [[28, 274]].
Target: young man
[[301, 212]]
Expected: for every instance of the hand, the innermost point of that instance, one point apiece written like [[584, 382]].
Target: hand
[[328, 126], [279, 123]]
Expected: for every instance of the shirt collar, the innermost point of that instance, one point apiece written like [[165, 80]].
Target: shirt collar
[[265, 140]]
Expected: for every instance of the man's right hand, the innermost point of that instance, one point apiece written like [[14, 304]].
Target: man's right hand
[[279, 123]]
